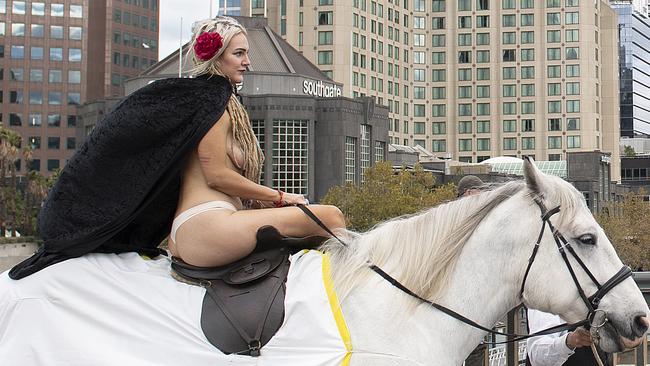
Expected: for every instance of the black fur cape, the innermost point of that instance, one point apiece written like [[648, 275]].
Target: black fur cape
[[119, 191]]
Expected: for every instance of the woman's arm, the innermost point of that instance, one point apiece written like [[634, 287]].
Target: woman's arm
[[213, 156]]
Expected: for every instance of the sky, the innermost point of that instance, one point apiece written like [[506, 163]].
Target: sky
[[171, 12]]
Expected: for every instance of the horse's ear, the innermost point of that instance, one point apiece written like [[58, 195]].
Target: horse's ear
[[534, 177]]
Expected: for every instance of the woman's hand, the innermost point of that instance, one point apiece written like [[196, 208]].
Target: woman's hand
[[293, 199]]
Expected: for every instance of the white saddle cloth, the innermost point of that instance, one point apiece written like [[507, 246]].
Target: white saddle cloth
[[107, 309]]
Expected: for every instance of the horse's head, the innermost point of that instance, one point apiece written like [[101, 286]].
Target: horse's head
[[550, 285]]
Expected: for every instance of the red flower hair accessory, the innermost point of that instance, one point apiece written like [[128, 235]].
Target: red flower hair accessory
[[207, 45]]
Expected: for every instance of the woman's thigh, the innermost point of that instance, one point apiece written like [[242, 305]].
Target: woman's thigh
[[217, 239]]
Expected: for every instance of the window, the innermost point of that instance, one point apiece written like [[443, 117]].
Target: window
[[37, 30], [15, 119], [465, 22], [16, 97], [527, 20], [438, 40], [508, 4], [439, 75], [527, 125], [554, 89], [528, 143], [528, 54], [509, 56], [439, 145], [418, 111], [553, 19], [56, 10], [553, 54], [572, 3], [572, 53], [325, 57], [36, 53], [573, 106], [35, 97], [72, 121], [528, 72], [3, 6], [510, 90], [464, 74], [55, 76], [35, 142], [482, 91], [2, 29], [18, 7], [554, 142], [554, 106], [483, 21], [572, 142], [418, 57], [419, 23], [509, 73], [572, 71], [483, 126], [464, 5], [554, 71], [71, 143], [483, 73], [438, 110], [326, 18], [509, 143], [482, 56], [464, 57], [464, 92], [509, 20], [555, 124], [509, 108], [465, 109], [553, 36], [74, 55], [482, 5], [37, 8], [509, 38], [438, 5], [418, 75], [18, 29], [552, 3], [439, 128], [56, 54], [527, 90], [482, 144], [571, 18], [509, 125], [438, 23], [36, 75], [53, 120], [528, 37], [54, 98], [483, 109], [17, 52], [438, 93], [465, 145], [56, 31], [465, 39], [76, 11], [573, 124], [74, 98], [437, 57], [482, 39], [75, 33], [572, 35], [53, 143]]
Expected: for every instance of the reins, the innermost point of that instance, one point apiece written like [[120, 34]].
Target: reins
[[563, 245]]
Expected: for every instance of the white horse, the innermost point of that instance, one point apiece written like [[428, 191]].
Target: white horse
[[469, 255]]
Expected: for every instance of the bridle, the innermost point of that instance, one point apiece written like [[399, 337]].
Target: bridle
[[595, 319]]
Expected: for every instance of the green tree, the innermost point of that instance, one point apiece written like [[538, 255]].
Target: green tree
[[626, 225], [628, 151], [385, 194]]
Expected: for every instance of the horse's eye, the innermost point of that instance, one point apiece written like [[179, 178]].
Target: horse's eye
[[587, 239]]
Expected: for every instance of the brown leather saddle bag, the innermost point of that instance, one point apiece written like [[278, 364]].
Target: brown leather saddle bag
[[244, 302]]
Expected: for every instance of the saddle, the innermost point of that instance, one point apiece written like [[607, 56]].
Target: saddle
[[244, 302]]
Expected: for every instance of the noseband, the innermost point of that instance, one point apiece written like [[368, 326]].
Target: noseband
[[564, 246]]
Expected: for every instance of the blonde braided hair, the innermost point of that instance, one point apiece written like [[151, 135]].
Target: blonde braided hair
[[242, 131]]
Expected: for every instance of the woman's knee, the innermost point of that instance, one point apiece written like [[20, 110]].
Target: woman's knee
[[334, 216]]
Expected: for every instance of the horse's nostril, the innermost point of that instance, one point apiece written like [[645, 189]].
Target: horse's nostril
[[640, 325]]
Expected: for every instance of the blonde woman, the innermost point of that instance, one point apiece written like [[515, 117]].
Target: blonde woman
[[212, 226]]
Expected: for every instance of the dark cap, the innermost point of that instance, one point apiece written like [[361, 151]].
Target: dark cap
[[468, 182]]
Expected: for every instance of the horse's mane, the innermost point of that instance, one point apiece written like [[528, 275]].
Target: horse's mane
[[420, 250], [416, 242]]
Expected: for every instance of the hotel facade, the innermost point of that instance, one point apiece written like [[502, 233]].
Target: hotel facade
[[470, 79]]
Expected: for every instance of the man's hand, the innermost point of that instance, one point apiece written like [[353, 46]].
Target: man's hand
[[578, 338]]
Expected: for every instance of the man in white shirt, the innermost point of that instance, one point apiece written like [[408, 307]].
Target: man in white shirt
[[564, 348]]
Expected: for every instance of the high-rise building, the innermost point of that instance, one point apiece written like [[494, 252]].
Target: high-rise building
[[470, 79], [634, 53], [55, 55]]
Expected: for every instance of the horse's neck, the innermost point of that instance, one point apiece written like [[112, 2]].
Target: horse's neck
[[480, 289]]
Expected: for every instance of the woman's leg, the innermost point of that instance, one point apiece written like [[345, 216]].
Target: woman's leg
[[230, 236]]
